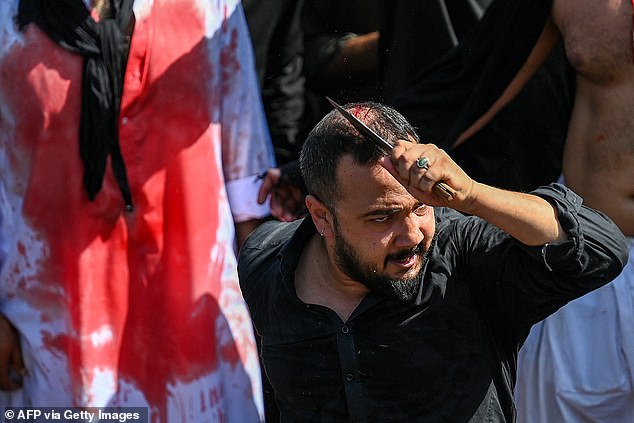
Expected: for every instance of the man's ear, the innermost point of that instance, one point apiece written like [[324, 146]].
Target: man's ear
[[321, 215]]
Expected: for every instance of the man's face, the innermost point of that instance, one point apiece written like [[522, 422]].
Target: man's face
[[381, 233]]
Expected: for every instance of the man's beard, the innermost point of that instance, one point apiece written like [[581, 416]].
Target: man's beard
[[352, 265]]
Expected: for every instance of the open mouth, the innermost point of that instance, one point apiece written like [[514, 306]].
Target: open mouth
[[405, 262]]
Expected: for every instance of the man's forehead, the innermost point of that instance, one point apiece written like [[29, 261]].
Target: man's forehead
[[367, 185], [347, 168]]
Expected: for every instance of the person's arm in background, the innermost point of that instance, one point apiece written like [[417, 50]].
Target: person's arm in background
[[246, 145], [356, 55], [341, 46]]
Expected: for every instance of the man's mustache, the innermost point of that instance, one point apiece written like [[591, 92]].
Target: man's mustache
[[419, 249]]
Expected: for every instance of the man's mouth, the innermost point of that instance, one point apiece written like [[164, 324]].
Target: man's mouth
[[405, 261]]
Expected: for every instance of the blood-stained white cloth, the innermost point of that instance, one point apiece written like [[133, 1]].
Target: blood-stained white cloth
[[141, 308]]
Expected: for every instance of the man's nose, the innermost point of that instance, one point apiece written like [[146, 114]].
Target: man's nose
[[410, 233]]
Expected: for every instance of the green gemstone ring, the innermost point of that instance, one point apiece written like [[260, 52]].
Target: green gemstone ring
[[422, 162]]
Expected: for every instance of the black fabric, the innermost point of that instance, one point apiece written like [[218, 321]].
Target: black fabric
[[449, 356], [278, 43], [522, 147], [103, 45], [328, 26], [415, 34], [466, 81], [442, 91]]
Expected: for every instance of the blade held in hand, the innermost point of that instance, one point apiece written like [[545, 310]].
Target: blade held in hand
[[362, 127], [440, 188]]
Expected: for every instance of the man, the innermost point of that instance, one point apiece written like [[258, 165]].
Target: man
[[383, 305], [587, 385], [120, 187]]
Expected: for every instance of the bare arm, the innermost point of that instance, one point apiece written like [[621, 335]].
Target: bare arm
[[358, 55], [544, 46], [528, 218]]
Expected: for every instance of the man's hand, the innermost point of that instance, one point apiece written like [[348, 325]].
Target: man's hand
[[10, 356], [421, 166], [286, 198]]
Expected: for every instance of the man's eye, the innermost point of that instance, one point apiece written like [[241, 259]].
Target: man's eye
[[421, 210], [381, 219]]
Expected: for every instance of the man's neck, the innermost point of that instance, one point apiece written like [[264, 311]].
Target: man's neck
[[318, 281]]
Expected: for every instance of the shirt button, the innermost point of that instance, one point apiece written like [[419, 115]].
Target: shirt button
[[345, 329], [349, 377], [124, 120]]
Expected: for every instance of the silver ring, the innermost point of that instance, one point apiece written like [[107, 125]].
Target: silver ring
[[422, 162]]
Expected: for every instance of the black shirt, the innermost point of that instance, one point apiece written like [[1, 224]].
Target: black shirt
[[449, 356]]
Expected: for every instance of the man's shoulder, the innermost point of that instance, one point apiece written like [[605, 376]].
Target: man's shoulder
[[270, 235], [450, 221], [265, 243], [257, 260]]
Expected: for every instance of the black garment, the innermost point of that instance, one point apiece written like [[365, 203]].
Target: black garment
[[442, 87], [328, 25], [450, 356], [104, 47], [477, 72], [278, 43], [415, 34]]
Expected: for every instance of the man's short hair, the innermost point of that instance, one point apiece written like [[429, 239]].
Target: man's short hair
[[334, 137]]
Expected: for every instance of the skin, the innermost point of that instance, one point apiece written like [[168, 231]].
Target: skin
[[286, 199], [388, 208], [598, 161], [358, 56]]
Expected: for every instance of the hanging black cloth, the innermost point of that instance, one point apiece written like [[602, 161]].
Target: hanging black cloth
[[465, 82], [416, 33], [104, 48]]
